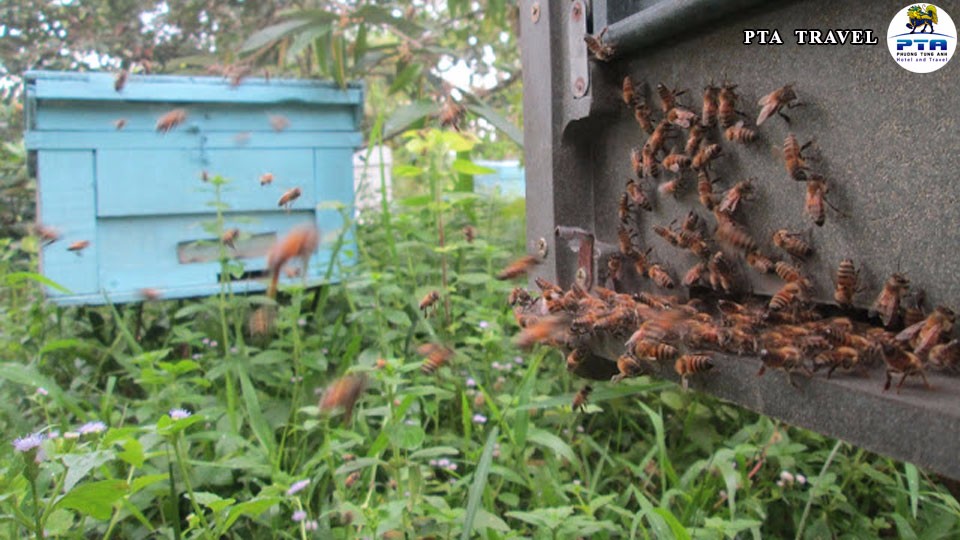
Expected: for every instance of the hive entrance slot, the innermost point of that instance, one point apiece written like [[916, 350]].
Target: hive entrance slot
[[247, 275], [208, 249]]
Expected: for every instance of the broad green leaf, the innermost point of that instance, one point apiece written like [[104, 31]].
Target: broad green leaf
[[552, 442], [16, 278], [407, 437], [406, 171], [258, 421], [78, 465], [435, 451], [913, 486], [141, 482], [59, 344], [272, 33], [479, 483], [498, 120], [464, 166], [251, 508], [406, 116], [94, 499], [132, 452]]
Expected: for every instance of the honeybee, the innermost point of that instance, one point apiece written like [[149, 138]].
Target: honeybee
[[903, 362], [694, 138], [242, 138], [278, 122], [120, 123], [848, 278], [671, 187], [660, 276], [47, 235], [204, 176], [731, 199], [638, 196], [887, 303], [690, 364], [705, 190], [681, 117], [266, 179], [581, 397], [432, 297], [286, 200], [518, 267], [788, 295], [740, 134], [842, 357], [229, 237], [814, 203], [547, 330], [675, 162], [946, 355], [150, 294], [668, 97], [728, 232], [705, 155], [929, 332], [727, 107], [171, 120], [644, 117], [600, 50], [775, 101], [695, 274], [120, 80], [792, 244], [261, 320], [636, 161], [704, 335], [650, 165], [788, 272], [343, 393], [787, 358], [654, 351], [628, 366], [760, 262], [793, 158], [469, 233], [721, 274], [435, 356], [78, 246], [451, 114], [657, 139], [710, 105], [300, 243], [629, 98]]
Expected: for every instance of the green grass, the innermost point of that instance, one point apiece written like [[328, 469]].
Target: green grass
[[487, 447]]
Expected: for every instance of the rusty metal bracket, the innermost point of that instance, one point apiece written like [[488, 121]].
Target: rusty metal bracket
[[581, 241], [577, 48]]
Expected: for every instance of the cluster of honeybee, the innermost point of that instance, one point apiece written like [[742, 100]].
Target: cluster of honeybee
[[787, 331]]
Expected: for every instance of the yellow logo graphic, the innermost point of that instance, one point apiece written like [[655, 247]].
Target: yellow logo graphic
[[922, 17]]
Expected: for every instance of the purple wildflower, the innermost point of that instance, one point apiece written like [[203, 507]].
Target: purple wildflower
[[92, 427], [299, 516], [298, 486], [479, 419], [179, 414]]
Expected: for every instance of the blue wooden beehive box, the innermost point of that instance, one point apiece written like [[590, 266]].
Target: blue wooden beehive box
[[138, 197]]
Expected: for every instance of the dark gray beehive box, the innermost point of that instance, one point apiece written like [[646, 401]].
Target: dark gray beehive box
[[890, 149]]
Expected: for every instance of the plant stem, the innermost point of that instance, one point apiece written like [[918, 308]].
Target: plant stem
[[222, 306], [823, 471], [181, 462], [38, 524]]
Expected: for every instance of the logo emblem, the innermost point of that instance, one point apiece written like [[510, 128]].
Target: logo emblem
[[922, 38]]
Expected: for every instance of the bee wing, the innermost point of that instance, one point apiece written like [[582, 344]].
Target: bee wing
[[769, 107], [910, 332], [929, 337]]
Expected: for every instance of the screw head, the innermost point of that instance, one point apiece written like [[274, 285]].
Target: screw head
[[579, 87], [535, 12], [577, 11], [542, 248], [581, 277]]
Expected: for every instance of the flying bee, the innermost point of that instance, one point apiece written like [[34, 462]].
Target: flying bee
[[787, 358], [150, 294], [740, 134], [694, 138], [120, 80], [78, 246], [627, 366], [923, 335], [731, 199], [343, 393], [682, 117], [261, 320], [734, 235], [574, 358], [705, 190], [120, 123], [469, 233], [518, 267], [775, 101], [299, 243], [431, 298], [435, 356], [671, 187], [902, 362], [229, 237], [629, 97], [47, 235], [518, 297], [690, 364], [846, 358], [705, 155], [549, 330], [286, 200], [654, 351], [644, 116], [946, 355], [710, 105], [266, 179], [695, 274], [600, 50], [760, 262], [638, 196], [793, 158], [676, 163], [848, 279], [650, 165], [792, 243], [171, 120], [721, 273], [727, 106], [668, 97], [788, 295], [660, 276], [580, 399], [278, 122], [887, 303], [452, 114]]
